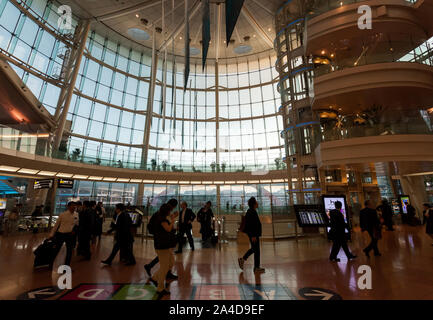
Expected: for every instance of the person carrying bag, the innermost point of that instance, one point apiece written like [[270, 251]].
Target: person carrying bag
[[164, 241]]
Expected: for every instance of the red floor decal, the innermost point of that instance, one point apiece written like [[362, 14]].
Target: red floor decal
[[92, 292]]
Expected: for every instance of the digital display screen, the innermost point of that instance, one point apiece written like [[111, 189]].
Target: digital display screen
[[43, 184], [395, 206], [3, 203], [310, 216], [404, 201], [329, 204], [65, 184]]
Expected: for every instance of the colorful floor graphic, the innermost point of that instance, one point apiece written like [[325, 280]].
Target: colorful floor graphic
[[98, 291]]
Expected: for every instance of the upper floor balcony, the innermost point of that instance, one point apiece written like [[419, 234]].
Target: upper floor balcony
[[334, 25]]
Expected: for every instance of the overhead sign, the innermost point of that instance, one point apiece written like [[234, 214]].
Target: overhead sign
[[318, 294], [43, 184], [65, 184], [39, 293]]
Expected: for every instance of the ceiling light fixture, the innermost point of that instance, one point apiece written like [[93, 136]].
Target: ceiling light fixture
[[28, 171], [47, 173], [8, 168]]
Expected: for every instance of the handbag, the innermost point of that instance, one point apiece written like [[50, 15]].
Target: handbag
[[166, 239]]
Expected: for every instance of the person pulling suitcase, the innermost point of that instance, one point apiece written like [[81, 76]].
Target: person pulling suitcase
[[63, 231]]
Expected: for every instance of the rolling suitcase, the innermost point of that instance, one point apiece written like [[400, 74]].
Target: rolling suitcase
[[45, 253]]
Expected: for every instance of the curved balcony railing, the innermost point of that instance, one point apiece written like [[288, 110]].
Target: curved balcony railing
[[323, 6], [403, 126], [385, 51], [35, 144]]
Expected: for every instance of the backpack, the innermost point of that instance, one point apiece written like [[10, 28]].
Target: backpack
[[151, 224]]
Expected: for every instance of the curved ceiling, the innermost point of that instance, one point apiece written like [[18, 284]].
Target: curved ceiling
[[255, 26]]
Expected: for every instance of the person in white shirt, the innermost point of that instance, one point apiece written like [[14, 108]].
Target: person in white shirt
[[63, 231]]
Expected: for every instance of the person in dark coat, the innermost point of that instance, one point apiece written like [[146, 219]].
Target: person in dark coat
[[99, 220], [428, 218], [370, 222], [123, 239], [253, 228], [186, 217], [338, 233], [385, 209], [85, 229], [205, 216]]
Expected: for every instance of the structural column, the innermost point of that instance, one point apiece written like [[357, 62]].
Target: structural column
[[73, 66], [217, 115], [149, 112]]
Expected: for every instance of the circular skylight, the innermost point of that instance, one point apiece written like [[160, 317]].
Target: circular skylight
[[138, 34], [193, 51], [242, 49]]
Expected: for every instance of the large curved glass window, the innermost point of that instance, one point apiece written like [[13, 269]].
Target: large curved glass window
[[107, 114]]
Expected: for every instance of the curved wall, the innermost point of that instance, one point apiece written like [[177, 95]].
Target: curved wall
[[108, 109]]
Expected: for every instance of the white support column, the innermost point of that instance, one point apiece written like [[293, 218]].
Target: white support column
[[149, 112], [74, 62]]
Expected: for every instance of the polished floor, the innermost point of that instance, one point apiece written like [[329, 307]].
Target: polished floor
[[294, 270]]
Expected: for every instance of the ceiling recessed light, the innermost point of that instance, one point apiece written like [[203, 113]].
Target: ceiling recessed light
[[269, 29], [137, 15], [27, 171], [8, 168], [138, 34], [81, 177], [242, 49], [64, 175], [323, 52], [46, 173], [180, 38], [135, 180], [95, 178], [109, 179]]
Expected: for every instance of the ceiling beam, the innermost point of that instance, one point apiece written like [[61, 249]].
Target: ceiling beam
[[261, 5], [130, 10], [198, 33], [253, 22], [179, 28], [218, 31], [181, 3]]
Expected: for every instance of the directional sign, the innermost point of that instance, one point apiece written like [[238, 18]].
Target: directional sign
[[39, 293], [318, 294], [136, 292], [266, 292]]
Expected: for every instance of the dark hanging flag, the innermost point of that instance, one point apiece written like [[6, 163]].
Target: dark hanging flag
[[233, 9], [205, 31], [186, 74]]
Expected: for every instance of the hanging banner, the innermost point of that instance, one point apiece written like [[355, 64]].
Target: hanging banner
[[186, 74], [233, 9], [205, 31]]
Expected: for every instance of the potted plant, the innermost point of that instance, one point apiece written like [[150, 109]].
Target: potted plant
[[98, 161], [212, 166], [119, 164], [75, 154], [223, 167], [164, 165], [218, 167], [153, 163], [277, 163]]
